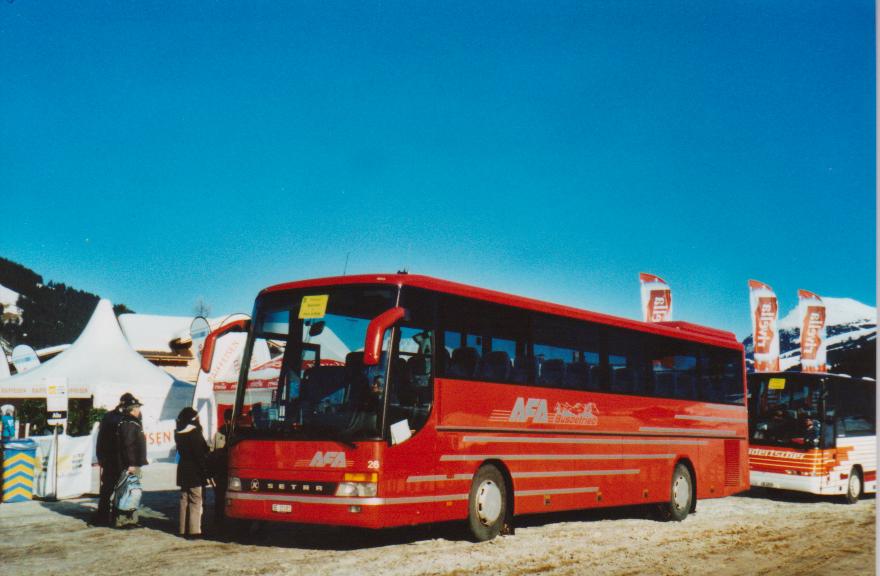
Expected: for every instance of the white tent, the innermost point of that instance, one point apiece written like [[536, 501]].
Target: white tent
[[102, 364]]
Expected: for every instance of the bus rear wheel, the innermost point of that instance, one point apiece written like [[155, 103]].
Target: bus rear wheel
[[487, 504], [854, 486], [681, 494]]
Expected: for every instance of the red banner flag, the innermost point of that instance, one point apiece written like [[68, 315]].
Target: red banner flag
[[656, 298], [813, 353], [765, 310]]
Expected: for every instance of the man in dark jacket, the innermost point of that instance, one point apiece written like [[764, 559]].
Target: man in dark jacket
[[108, 459], [192, 471], [132, 445]]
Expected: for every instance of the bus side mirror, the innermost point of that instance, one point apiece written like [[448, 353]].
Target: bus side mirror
[[376, 333], [211, 340]]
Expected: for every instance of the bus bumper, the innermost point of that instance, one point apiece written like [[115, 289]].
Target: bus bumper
[[809, 484], [330, 510]]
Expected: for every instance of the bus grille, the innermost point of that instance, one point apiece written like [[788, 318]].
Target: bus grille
[[731, 462]]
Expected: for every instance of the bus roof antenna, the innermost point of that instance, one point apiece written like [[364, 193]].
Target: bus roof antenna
[[345, 268]]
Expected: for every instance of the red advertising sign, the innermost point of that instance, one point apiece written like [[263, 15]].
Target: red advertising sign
[[659, 305]]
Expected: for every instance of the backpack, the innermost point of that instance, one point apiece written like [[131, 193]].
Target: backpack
[[128, 492]]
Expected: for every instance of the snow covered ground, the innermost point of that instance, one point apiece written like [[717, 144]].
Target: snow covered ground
[[748, 534]]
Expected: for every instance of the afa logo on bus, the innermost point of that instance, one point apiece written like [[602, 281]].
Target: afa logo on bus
[[536, 411], [331, 459]]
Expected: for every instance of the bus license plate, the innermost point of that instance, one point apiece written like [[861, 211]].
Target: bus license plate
[[767, 485], [282, 508]]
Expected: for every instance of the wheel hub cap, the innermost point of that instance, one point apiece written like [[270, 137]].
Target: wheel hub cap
[[488, 502], [680, 493], [854, 485]]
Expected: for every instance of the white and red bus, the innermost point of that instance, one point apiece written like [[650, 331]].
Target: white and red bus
[[813, 432], [459, 403]]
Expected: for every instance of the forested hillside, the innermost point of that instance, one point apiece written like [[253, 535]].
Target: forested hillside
[[51, 313]]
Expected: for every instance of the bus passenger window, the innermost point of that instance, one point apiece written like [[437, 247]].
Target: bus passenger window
[[552, 372], [495, 366], [463, 363], [621, 376]]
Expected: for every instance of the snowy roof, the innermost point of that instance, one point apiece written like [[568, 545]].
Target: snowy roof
[[153, 333], [8, 297], [52, 350]]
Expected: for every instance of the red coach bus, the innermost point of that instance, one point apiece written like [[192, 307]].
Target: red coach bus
[[401, 399]]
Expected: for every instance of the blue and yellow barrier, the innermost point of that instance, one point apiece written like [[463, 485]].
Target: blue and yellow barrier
[[19, 470]]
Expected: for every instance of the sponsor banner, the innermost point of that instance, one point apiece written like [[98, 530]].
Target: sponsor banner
[[813, 344], [24, 358], [765, 310], [656, 298], [74, 466]]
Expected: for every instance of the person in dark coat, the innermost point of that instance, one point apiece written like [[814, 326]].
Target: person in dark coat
[[108, 459], [132, 448], [192, 471]]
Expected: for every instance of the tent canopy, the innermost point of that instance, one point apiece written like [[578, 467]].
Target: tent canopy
[[102, 364]]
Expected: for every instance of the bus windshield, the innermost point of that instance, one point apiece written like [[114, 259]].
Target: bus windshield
[[306, 377], [786, 410]]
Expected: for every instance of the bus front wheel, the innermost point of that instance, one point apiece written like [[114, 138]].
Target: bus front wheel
[[854, 486], [487, 504], [681, 494]]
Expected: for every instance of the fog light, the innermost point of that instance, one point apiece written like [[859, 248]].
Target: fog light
[[234, 484], [346, 489], [367, 489], [363, 489]]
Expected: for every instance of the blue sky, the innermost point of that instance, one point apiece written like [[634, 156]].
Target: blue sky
[[157, 152]]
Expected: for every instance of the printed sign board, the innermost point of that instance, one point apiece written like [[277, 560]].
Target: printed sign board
[[56, 400]]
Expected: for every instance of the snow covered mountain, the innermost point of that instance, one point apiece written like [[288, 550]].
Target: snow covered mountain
[[851, 331]]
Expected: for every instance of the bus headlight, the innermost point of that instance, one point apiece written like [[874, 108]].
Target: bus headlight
[[363, 489], [234, 484]]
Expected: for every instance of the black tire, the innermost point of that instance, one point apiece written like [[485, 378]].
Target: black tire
[[681, 495], [855, 486], [487, 504]]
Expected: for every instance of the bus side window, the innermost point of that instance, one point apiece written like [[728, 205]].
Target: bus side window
[[496, 365], [463, 362], [674, 367], [566, 353], [855, 409], [485, 341], [626, 372], [711, 385], [551, 363]]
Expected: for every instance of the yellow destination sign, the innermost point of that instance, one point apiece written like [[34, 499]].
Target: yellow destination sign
[[313, 306], [777, 384]]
